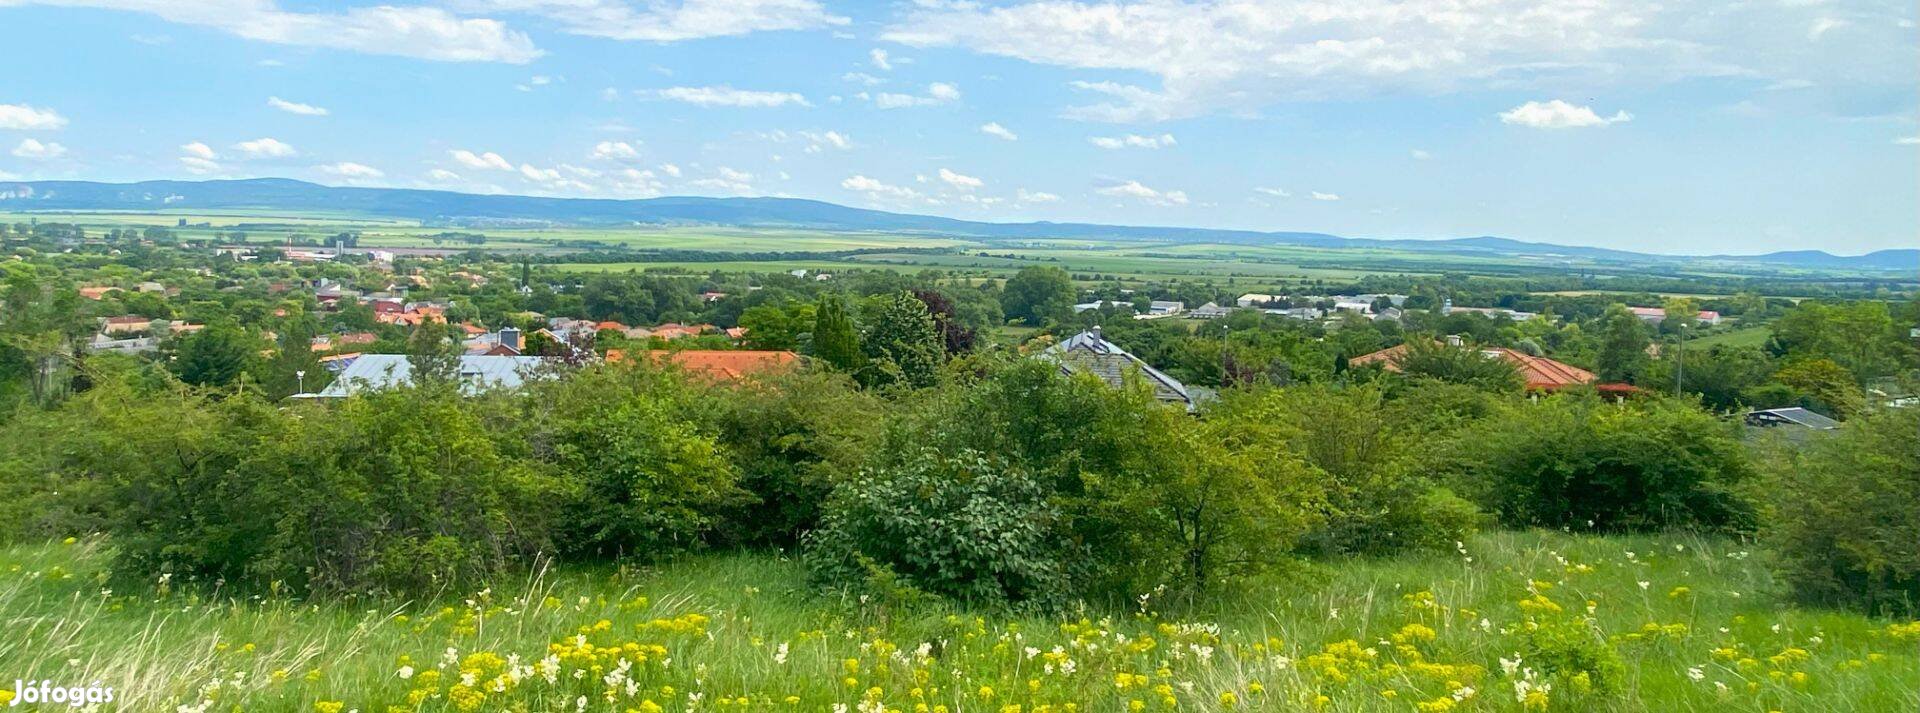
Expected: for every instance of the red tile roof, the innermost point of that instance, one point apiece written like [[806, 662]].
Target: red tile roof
[[718, 364], [1541, 373]]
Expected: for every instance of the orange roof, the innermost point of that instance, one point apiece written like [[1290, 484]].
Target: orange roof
[[718, 364], [1541, 373], [604, 326]]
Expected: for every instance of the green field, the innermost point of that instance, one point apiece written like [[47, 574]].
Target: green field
[[1738, 337], [1695, 623]]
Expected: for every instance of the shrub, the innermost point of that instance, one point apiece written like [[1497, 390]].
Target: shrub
[[643, 471], [957, 524], [792, 437], [1845, 513], [1575, 461]]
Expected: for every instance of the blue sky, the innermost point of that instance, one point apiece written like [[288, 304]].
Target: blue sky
[[1676, 127]]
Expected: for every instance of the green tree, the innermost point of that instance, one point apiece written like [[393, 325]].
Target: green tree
[[1038, 295], [903, 344], [834, 339], [1846, 513], [1833, 389], [1463, 364], [214, 356], [777, 325], [1623, 346], [433, 356], [294, 366]]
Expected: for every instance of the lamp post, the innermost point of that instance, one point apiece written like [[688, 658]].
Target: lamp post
[[300, 377]]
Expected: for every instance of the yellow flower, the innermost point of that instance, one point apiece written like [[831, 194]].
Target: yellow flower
[[1679, 592], [1228, 700], [986, 692], [328, 706]]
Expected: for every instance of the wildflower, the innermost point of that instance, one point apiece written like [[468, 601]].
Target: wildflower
[[328, 706], [1679, 592]]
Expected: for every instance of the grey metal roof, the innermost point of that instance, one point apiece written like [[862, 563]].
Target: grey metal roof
[[1088, 352], [477, 373], [1795, 415]]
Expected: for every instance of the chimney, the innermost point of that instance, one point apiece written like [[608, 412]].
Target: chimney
[[1095, 331], [510, 338]]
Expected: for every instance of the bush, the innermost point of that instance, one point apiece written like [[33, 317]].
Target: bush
[[1576, 461], [957, 524], [643, 471], [792, 437], [1367, 454], [1845, 513]]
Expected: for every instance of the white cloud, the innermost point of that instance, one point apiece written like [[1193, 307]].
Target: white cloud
[[862, 78], [1908, 141], [879, 57], [295, 107], [1027, 196], [615, 151], [1325, 196], [1420, 154], [664, 21], [350, 170], [875, 188], [1136, 191], [821, 140], [32, 149], [1132, 141], [728, 180], [1238, 56], [416, 31], [195, 164], [487, 160], [1275, 192], [937, 93], [670, 169], [633, 181], [21, 117], [265, 148], [1823, 25], [441, 175], [1557, 114], [728, 96], [960, 180], [995, 129], [197, 149], [539, 175]]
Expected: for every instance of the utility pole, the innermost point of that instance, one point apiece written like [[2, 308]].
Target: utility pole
[[1680, 362]]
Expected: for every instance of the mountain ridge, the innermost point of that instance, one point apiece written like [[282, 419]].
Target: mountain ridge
[[770, 212]]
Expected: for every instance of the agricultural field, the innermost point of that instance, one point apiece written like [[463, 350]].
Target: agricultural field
[[1688, 623]]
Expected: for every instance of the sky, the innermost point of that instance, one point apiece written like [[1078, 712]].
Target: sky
[[1668, 126]]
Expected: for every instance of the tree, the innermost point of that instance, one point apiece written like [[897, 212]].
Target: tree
[[294, 366], [957, 337], [1623, 346], [1846, 512], [432, 354], [38, 321], [834, 339], [1830, 385], [777, 325], [215, 355], [1459, 365], [1038, 294], [903, 345]]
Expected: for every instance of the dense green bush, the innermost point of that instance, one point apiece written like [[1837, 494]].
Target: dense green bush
[[1367, 455], [792, 436], [638, 453], [1844, 512], [1574, 460], [957, 524]]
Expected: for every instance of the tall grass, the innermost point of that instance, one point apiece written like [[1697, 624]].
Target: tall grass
[[707, 634]]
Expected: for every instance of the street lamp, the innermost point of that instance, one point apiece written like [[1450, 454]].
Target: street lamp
[[300, 376]]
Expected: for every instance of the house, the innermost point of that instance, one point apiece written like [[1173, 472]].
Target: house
[[718, 365], [1301, 313], [1390, 314], [127, 325], [1210, 311], [712, 296], [1165, 308], [1656, 315], [98, 292], [1540, 373], [476, 374], [1254, 299], [1089, 353], [1356, 306], [1795, 418], [1101, 304], [506, 342], [674, 330]]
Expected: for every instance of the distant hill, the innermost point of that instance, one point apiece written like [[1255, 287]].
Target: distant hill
[[447, 207]]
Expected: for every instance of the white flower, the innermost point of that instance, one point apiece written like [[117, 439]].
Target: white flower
[[780, 654], [406, 672], [1696, 673], [1644, 585]]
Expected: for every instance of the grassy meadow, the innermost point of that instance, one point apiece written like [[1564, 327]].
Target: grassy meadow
[[1697, 624]]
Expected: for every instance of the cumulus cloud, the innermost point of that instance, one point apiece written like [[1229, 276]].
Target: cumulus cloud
[[726, 179], [1027, 196], [441, 175], [994, 129], [960, 180], [198, 150], [728, 96], [1275, 192], [875, 188], [1138, 192], [1325, 196], [350, 170], [615, 151], [1238, 56], [937, 93], [879, 57], [36, 151], [664, 21], [1132, 141], [414, 31], [670, 169], [821, 140], [1557, 114], [198, 158], [21, 117], [1908, 141], [265, 148], [485, 160], [295, 107], [1420, 154], [862, 78]]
